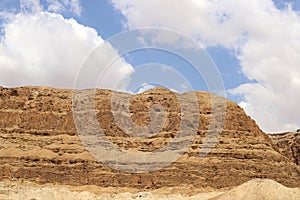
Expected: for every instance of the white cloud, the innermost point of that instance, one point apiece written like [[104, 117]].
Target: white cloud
[[46, 49], [65, 5], [57, 6], [266, 40], [199, 19], [148, 86], [144, 87], [166, 68], [30, 6], [271, 56]]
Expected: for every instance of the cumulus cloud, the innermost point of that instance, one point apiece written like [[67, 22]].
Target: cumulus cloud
[[199, 19], [266, 41], [42, 48]]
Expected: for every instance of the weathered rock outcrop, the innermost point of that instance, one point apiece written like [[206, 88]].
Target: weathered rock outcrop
[[39, 143], [288, 144]]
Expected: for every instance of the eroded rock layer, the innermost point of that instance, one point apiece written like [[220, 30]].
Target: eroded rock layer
[[288, 144], [39, 143]]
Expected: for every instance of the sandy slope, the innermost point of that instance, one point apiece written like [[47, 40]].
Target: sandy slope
[[263, 189], [256, 189]]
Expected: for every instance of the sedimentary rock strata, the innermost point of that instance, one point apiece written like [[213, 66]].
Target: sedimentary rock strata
[[40, 142]]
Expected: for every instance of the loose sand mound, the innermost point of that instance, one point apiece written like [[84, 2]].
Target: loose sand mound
[[255, 189], [261, 189]]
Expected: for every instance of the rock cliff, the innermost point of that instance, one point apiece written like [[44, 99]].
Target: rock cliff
[[288, 144], [40, 143]]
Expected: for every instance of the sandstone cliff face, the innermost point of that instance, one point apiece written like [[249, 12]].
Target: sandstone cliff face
[[39, 143], [288, 144]]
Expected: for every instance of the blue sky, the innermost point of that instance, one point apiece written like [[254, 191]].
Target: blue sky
[[253, 44], [94, 11]]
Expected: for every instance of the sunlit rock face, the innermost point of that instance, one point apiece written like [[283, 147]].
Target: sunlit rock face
[[40, 142]]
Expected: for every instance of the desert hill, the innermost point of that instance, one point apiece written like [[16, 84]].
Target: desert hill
[[40, 143]]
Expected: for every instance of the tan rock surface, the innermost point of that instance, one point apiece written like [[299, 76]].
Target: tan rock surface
[[39, 143], [288, 144]]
